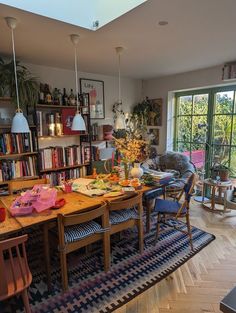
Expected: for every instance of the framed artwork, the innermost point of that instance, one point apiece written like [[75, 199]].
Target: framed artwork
[[67, 115], [153, 134], [155, 113], [95, 89]]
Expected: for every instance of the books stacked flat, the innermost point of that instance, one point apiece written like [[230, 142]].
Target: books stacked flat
[[161, 178]]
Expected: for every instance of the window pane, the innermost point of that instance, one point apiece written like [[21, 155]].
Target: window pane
[[233, 162], [184, 128], [199, 129], [185, 105], [224, 102], [200, 104], [220, 154], [234, 131], [222, 129], [184, 147], [198, 155]]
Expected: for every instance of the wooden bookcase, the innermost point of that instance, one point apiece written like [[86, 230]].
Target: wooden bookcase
[[73, 148], [18, 152]]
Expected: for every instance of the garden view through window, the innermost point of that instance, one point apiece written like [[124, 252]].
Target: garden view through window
[[206, 127]]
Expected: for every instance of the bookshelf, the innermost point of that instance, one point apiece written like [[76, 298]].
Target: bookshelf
[[63, 153], [18, 152]]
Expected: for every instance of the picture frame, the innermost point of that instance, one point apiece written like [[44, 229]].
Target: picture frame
[[155, 113], [95, 89], [154, 136]]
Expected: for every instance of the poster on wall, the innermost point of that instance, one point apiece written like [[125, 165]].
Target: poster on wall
[[155, 113], [95, 89]]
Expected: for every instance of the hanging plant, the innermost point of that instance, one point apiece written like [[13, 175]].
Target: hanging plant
[[28, 85]]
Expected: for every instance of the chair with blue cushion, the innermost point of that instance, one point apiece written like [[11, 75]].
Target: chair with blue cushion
[[127, 213], [170, 208], [80, 230]]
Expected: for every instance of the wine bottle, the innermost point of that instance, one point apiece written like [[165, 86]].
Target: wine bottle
[[71, 98], [64, 97], [48, 95], [41, 94], [55, 96], [59, 97]]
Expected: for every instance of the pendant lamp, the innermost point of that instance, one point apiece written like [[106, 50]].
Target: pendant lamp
[[78, 121], [120, 119], [19, 122]]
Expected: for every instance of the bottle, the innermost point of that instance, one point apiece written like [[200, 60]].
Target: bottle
[[94, 173], [55, 96], [64, 97], [58, 125], [41, 94], [59, 97], [71, 98], [48, 95]]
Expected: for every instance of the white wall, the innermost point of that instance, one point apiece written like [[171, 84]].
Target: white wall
[[61, 78], [165, 87]]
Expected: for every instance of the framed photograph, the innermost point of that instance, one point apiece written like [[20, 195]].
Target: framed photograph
[[95, 89], [155, 114], [153, 134]]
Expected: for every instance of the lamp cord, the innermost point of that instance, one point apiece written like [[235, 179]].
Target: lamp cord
[[119, 90], [14, 60], [76, 81]]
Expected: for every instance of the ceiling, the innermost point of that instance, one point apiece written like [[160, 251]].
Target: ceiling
[[200, 34]]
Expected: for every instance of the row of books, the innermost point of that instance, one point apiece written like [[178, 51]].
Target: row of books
[[54, 157], [16, 143], [57, 178], [12, 169]]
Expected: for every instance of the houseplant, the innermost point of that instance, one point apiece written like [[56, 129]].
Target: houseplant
[[221, 170], [28, 85]]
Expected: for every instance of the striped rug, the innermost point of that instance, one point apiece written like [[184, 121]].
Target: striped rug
[[91, 290]]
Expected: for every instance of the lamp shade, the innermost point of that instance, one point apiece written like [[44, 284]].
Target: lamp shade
[[78, 122], [120, 122], [19, 124]]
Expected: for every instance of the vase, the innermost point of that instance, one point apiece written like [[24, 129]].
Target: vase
[[136, 171], [126, 170]]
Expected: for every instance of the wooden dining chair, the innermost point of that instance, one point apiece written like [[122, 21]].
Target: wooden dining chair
[[15, 276], [19, 185], [127, 213], [175, 209], [80, 230]]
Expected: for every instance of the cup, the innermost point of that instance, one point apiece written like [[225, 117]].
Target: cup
[[2, 214], [68, 188]]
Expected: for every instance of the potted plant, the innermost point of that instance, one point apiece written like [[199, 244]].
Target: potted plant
[[28, 85], [221, 170]]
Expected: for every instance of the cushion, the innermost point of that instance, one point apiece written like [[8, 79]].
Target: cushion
[[168, 207], [117, 217], [80, 231]]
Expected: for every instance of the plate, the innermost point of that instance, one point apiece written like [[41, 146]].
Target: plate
[[113, 194]]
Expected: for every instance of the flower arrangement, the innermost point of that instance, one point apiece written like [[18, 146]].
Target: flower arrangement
[[132, 149]]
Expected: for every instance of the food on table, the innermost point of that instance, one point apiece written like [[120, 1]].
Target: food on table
[[125, 183], [148, 179], [135, 182]]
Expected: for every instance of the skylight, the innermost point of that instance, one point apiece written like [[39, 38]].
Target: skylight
[[90, 14]]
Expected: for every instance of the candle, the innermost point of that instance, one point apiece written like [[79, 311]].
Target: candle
[[112, 160]]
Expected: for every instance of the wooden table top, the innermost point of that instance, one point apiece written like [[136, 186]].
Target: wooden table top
[[75, 202]]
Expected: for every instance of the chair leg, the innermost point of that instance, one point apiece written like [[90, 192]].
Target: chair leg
[[140, 235], [25, 299], [189, 230], [149, 205], [106, 251], [157, 228], [47, 255], [64, 274]]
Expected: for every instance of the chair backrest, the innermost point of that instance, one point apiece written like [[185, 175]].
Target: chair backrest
[[188, 187], [14, 249], [79, 218], [18, 185], [135, 199]]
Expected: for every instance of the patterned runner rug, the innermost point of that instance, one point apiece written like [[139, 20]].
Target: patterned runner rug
[[90, 289]]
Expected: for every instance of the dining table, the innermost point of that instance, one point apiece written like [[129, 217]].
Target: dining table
[[75, 202]]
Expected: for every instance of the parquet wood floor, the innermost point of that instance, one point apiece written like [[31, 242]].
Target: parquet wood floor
[[201, 283]]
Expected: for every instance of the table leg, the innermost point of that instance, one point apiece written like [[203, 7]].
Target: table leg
[[213, 192], [149, 206], [47, 254]]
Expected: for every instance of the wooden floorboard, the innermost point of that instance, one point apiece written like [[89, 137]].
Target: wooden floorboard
[[201, 283]]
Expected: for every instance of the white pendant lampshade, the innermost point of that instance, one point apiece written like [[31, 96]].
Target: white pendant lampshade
[[78, 121], [19, 122]]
